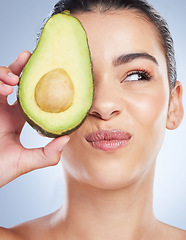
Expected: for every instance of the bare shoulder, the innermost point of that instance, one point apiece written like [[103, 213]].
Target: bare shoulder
[[8, 234], [40, 228], [171, 233], [31, 229]]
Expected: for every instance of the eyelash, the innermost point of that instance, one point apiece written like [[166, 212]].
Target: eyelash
[[144, 75]]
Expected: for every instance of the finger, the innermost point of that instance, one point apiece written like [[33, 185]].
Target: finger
[[7, 80], [17, 66], [7, 77], [5, 89], [43, 157]]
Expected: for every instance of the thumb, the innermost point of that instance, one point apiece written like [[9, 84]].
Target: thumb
[[43, 157], [52, 151]]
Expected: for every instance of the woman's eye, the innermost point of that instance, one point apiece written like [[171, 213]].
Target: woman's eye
[[137, 76]]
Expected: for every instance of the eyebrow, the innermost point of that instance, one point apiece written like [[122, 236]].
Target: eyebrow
[[132, 56]]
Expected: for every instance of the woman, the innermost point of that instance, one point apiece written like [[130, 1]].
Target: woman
[[109, 161]]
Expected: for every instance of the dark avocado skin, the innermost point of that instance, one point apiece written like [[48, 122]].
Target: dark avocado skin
[[50, 135], [42, 131]]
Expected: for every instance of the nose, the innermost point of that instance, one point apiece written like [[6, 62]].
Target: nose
[[106, 102]]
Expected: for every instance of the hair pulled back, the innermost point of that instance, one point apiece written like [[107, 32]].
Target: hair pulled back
[[141, 6]]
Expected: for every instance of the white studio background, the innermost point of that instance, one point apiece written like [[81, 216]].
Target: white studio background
[[42, 191]]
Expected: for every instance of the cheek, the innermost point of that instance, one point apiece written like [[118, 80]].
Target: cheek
[[149, 116], [149, 109]]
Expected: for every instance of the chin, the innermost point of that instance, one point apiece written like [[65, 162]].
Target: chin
[[107, 170], [109, 175], [114, 179], [108, 183]]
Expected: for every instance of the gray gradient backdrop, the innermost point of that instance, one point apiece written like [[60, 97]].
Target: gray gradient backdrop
[[41, 192]]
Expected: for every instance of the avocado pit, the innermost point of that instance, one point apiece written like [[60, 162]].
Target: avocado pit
[[54, 92]]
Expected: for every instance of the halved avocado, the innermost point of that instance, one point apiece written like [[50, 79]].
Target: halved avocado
[[56, 87]]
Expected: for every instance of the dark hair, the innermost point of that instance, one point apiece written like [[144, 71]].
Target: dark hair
[[141, 6]]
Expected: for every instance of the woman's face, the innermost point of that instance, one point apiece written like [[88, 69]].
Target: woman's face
[[122, 135]]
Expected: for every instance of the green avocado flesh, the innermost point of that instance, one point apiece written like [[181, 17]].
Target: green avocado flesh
[[56, 87]]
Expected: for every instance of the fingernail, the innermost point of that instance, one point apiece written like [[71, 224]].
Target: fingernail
[[64, 142], [12, 75]]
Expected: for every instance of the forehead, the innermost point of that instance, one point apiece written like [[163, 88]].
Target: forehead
[[125, 30]]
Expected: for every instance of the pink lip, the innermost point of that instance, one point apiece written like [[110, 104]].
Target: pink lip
[[109, 140]]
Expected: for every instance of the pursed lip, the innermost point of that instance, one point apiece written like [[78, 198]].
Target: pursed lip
[[109, 140]]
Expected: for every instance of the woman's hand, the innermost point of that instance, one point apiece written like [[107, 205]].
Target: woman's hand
[[15, 160]]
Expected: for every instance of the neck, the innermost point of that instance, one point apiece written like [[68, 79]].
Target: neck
[[95, 214]]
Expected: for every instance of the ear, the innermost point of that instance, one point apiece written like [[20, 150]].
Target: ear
[[175, 111]]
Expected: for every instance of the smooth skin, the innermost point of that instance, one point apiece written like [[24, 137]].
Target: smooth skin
[[109, 194]]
